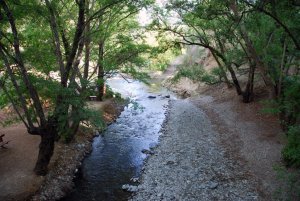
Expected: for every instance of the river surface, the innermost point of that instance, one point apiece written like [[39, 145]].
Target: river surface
[[117, 158]]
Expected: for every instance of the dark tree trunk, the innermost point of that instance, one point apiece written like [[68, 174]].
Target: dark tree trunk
[[76, 41], [248, 93], [87, 43], [23, 71], [223, 73], [252, 51], [101, 84], [234, 79], [229, 67], [46, 147]]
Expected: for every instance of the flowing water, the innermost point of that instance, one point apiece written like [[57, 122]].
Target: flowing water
[[117, 157]]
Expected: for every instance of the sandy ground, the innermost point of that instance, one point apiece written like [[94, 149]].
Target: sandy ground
[[17, 180]]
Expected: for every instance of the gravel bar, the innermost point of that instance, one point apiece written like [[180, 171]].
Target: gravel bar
[[190, 164]]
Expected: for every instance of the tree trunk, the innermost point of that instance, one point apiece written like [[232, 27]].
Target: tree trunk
[[223, 73], [23, 71], [228, 66], [234, 79], [252, 51], [248, 93], [76, 40], [46, 148], [100, 84], [87, 43]]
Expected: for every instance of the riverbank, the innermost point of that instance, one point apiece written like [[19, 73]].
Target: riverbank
[[247, 133], [18, 182], [214, 147], [249, 144], [189, 164]]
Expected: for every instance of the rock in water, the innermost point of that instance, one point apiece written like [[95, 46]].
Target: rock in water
[[148, 152], [151, 97], [129, 188]]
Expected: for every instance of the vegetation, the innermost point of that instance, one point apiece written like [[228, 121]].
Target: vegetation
[[256, 37], [55, 52], [60, 52]]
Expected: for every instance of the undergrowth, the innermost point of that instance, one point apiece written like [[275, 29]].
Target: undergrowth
[[198, 74], [289, 188]]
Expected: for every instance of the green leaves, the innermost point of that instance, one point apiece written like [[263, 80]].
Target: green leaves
[[291, 152]]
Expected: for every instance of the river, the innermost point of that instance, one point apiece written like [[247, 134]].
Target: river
[[117, 157]]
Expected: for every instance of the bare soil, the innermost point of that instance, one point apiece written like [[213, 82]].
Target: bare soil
[[17, 160]]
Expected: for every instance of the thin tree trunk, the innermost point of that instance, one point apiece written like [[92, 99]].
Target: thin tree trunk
[[33, 93], [223, 73], [76, 40], [87, 44], [251, 49], [281, 70], [248, 93], [56, 41], [234, 79], [13, 79], [101, 83], [230, 69]]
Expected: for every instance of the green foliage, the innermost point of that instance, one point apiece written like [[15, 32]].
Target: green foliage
[[109, 93], [196, 73], [291, 151], [291, 100], [74, 108], [131, 70], [289, 188]]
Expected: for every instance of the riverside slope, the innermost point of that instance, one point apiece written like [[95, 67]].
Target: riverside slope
[[189, 163]]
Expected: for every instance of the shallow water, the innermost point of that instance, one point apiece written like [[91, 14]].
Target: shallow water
[[117, 155]]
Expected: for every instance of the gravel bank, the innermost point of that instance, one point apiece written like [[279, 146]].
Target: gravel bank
[[189, 164]]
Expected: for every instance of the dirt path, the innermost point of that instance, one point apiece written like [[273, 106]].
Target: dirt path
[[248, 135], [17, 161], [191, 164], [17, 179]]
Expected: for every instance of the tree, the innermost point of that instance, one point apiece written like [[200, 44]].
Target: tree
[[32, 47]]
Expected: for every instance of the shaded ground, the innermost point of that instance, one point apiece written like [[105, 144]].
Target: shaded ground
[[17, 180], [248, 134]]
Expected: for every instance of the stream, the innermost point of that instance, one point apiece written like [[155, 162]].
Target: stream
[[117, 156]]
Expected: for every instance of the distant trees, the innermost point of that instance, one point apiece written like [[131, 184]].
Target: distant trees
[[38, 38]]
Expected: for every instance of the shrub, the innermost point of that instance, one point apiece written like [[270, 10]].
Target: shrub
[[291, 152], [196, 73]]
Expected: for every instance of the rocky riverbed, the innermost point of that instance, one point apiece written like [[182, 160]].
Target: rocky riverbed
[[189, 163]]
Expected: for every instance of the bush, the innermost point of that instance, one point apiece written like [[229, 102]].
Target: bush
[[291, 152], [289, 188], [196, 73]]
